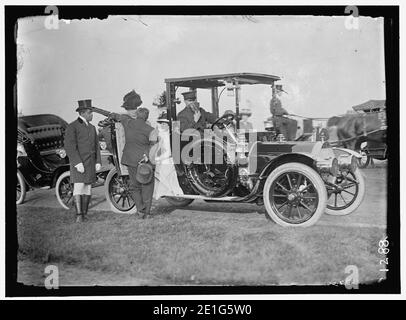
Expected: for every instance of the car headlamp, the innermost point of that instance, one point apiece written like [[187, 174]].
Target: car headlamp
[[103, 145], [61, 152], [347, 162], [328, 165], [21, 150]]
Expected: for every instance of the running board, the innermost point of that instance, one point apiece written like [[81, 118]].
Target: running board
[[195, 196]]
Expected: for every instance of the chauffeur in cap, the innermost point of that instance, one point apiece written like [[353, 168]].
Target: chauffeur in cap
[[280, 123], [276, 105], [193, 116], [138, 141], [82, 147]]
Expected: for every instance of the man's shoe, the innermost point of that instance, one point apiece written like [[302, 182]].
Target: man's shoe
[[85, 205], [78, 207], [141, 214]]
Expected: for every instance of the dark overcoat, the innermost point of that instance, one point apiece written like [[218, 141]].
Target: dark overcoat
[[187, 121], [137, 139], [82, 145]]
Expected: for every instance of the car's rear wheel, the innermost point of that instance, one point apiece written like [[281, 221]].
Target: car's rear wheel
[[346, 193], [21, 188], [179, 202], [294, 195], [64, 190], [118, 193]]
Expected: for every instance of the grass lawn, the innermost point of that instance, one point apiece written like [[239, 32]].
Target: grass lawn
[[198, 248]]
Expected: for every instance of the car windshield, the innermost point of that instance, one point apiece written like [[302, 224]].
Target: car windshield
[[253, 98]]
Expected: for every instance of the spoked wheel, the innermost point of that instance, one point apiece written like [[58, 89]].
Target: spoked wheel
[[64, 190], [118, 193], [21, 188], [365, 159], [294, 195], [345, 193], [214, 175], [212, 180]]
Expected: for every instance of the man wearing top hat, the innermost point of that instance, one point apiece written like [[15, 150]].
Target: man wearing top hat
[[139, 138], [82, 147], [193, 116]]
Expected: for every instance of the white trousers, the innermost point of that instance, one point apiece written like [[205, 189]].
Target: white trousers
[[82, 188]]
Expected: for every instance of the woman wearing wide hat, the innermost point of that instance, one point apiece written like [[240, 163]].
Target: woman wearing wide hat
[[82, 147], [138, 141], [166, 179]]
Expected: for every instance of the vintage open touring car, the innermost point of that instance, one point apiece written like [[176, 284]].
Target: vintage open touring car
[[296, 181]]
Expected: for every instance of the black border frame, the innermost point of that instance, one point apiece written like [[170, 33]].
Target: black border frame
[[391, 42]]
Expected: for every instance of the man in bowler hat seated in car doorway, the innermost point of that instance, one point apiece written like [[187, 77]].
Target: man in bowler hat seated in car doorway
[[139, 138], [193, 116], [82, 147]]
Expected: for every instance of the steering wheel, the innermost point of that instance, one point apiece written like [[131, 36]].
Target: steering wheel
[[223, 121], [106, 122]]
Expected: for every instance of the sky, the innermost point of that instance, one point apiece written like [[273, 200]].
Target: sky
[[325, 67]]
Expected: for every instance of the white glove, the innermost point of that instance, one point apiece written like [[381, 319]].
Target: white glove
[[98, 166], [80, 167]]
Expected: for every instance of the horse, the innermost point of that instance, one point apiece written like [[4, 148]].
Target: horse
[[353, 129]]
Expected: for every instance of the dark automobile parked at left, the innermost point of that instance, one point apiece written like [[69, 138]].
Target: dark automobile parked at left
[[41, 158]]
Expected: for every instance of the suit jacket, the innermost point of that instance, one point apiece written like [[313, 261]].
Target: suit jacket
[[82, 145], [186, 118], [138, 139]]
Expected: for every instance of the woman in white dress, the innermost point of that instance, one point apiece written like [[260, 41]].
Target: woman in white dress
[[166, 180]]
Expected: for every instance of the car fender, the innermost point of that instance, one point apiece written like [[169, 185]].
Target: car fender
[[348, 151], [58, 172], [304, 158]]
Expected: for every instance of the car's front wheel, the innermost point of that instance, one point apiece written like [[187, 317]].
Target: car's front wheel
[[294, 195]]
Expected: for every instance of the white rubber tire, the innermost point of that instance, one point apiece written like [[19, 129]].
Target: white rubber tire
[[107, 182], [57, 185], [310, 174], [23, 188]]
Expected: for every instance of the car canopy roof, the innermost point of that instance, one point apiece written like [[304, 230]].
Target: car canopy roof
[[219, 80], [370, 105], [25, 122]]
